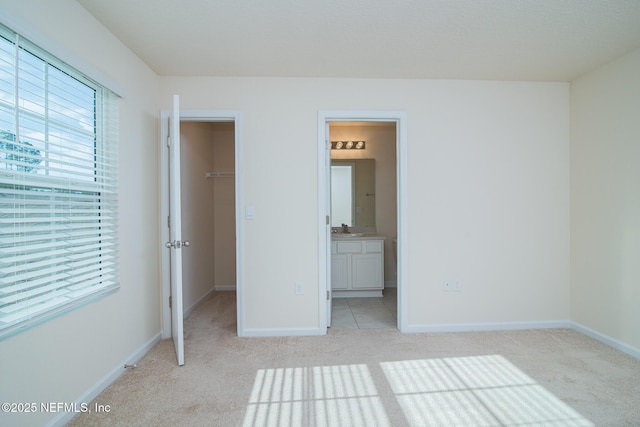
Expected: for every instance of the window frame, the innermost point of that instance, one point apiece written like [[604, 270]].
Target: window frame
[[84, 207]]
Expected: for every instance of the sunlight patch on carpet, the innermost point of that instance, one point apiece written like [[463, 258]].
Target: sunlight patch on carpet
[[457, 391], [474, 391], [320, 395]]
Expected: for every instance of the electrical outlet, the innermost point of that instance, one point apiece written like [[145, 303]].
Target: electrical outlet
[[299, 288]]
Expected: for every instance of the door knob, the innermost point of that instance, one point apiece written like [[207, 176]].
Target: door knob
[[177, 244]]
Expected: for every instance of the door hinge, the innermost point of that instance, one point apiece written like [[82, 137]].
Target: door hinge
[[327, 220], [168, 221], [328, 295], [169, 302], [168, 131]]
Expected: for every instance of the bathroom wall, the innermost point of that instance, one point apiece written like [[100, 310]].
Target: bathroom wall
[[380, 145]]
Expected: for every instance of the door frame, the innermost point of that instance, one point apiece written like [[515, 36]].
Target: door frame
[[324, 240], [199, 116]]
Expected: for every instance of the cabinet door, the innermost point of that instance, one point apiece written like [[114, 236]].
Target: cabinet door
[[339, 271], [367, 271]]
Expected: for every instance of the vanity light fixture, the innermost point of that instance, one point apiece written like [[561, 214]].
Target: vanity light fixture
[[348, 145]]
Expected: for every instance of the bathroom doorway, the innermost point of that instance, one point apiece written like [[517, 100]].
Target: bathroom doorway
[[361, 260], [363, 198]]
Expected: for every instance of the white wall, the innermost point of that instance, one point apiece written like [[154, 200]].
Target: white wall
[[488, 193], [605, 200], [63, 359]]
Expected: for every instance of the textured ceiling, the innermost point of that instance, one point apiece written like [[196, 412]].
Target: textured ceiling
[[540, 40]]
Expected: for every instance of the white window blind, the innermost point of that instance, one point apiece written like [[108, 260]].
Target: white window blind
[[58, 187]]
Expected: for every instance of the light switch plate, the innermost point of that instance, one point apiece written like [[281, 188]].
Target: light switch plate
[[250, 212]]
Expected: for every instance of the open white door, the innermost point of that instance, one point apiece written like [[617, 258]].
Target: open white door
[[175, 243], [328, 221]]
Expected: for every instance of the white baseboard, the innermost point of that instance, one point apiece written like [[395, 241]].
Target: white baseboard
[[481, 327], [225, 287], [289, 332], [188, 311], [611, 342], [64, 417]]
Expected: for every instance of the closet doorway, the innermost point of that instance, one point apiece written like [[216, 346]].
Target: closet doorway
[[208, 209], [209, 196]]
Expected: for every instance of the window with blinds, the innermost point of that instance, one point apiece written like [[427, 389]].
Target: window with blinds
[[58, 187]]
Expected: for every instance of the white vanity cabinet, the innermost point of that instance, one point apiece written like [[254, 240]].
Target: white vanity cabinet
[[357, 266]]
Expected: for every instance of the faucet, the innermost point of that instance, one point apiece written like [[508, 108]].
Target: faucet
[[345, 228]]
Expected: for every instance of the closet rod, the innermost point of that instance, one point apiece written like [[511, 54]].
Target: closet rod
[[219, 174]]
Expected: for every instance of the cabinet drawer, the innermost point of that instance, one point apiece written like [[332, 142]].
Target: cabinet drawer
[[373, 246], [349, 247]]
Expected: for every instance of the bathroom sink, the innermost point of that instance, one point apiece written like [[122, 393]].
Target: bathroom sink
[[348, 234]]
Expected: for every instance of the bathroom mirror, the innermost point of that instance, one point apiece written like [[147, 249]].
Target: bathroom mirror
[[353, 192]]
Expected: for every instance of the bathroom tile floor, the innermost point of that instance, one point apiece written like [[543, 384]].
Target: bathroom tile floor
[[365, 313]]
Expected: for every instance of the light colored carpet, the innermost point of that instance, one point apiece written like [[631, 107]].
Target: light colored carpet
[[373, 377]]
